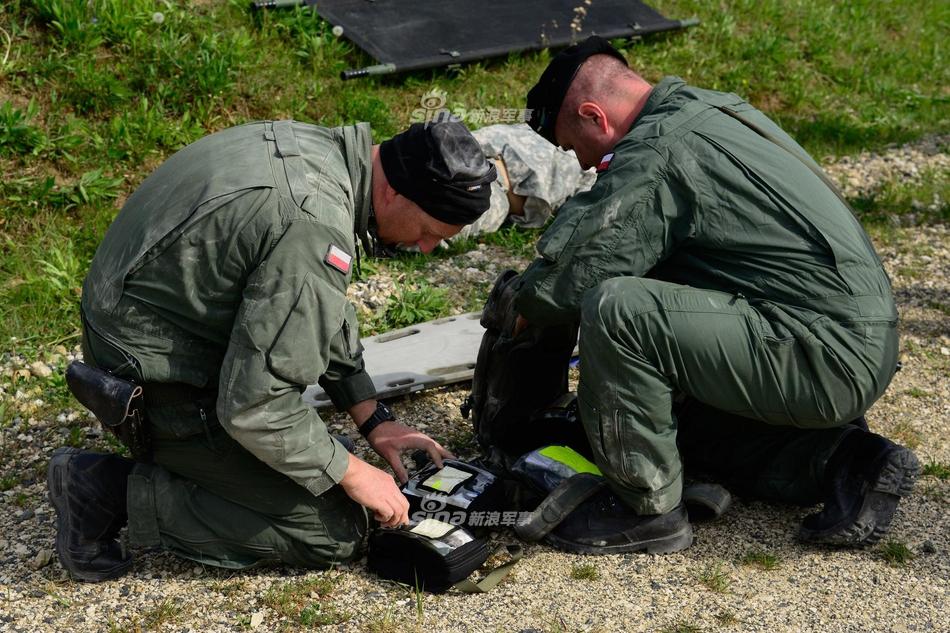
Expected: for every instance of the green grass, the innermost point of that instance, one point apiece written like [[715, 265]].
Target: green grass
[[895, 553], [726, 618], [760, 560], [95, 94], [409, 304], [164, 613], [925, 201], [714, 578], [585, 571], [937, 469], [306, 602]]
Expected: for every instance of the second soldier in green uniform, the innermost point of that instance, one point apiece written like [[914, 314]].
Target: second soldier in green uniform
[[727, 299]]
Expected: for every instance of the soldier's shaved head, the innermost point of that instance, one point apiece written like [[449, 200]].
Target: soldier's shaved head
[[599, 107], [602, 79]]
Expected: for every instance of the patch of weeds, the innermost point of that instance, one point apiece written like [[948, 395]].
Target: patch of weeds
[[30, 194], [681, 627], [715, 578], [412, 304], [895, 553], [7, 482], [939, 306], [906, 434], [726, 618], [70, 22], [21, 500], [91, 88], [760, 560], [45, 280], [910, 272], [17, 135], [915, 392], [515, 239], [75, 438], [585, 571], [937, 469], [306, 601], [386, 623], [228, 587], [166, 612], [145, 129], [461, 439], [924, 199]]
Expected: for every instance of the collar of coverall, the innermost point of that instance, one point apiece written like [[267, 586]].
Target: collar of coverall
[[358, 152], [660, 93]]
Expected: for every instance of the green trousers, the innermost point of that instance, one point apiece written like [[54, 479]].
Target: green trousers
[[774, 389], [208, 499]]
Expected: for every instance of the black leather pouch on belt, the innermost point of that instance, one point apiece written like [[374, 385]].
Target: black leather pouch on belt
[[118, 404]]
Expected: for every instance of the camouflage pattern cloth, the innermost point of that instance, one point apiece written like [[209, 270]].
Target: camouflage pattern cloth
[[546, 175]]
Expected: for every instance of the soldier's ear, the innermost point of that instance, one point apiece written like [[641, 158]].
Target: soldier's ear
[[591, 112]]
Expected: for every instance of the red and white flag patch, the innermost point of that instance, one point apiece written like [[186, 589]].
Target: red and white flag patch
[[605, 162], [338, 258]]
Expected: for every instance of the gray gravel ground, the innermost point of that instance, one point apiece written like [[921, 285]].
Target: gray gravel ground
[[711, 586]]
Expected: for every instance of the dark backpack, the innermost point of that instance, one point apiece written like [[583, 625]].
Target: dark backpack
[[516, 377]]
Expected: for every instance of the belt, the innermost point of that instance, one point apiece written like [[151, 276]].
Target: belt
[[167, 394]]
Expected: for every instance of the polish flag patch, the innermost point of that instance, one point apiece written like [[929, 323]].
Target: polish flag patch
[[605, 162], [338, 258]]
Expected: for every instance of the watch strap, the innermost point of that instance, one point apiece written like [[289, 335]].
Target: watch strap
[[382, 414]]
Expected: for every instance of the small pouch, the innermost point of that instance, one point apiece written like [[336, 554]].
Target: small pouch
[[455, 493], [116, 403], [429, 555]]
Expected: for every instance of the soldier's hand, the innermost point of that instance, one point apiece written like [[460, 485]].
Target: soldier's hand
[[390, 439], [375, 489]]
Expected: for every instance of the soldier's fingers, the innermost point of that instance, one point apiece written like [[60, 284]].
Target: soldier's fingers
[[393, 511], [398, 468], [401, 514], [437, 453], [383, 515]]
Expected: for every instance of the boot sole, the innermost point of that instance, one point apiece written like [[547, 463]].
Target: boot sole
[[675, 542], [872, 521], [56, 478]]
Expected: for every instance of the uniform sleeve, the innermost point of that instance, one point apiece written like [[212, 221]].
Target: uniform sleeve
[[624, 226], [345, 381], [291, 326]]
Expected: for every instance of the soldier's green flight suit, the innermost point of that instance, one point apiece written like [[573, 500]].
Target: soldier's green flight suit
[[214, 274], [710, 263]]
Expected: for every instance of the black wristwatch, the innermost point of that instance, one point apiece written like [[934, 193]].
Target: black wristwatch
[[382, 414]]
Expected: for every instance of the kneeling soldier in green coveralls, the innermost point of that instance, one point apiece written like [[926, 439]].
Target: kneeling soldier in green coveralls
[[220, 289], [733, 313]]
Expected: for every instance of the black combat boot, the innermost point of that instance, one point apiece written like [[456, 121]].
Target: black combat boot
[[88, 491], [864, 481], [604, 525]]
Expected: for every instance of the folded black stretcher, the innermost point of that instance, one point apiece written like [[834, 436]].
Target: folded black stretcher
[[404, 35]]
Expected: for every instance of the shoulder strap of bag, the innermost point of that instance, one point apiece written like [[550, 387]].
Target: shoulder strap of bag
[[495, 576], [563, 500]]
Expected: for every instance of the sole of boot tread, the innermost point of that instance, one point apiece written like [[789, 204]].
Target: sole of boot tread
[[873, 519]]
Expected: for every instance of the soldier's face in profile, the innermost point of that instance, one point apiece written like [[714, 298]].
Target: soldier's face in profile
[[406, 224], [587, 132]]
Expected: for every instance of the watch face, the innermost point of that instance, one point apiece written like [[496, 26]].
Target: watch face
[[383, 412]]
